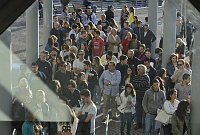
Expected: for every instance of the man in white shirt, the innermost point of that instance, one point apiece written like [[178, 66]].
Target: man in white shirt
[[89, 109], [78, 63]]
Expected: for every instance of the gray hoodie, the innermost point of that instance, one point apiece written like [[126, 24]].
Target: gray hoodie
[[153, 100]]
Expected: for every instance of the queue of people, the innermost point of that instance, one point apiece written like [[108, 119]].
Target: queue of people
[[87, 60]]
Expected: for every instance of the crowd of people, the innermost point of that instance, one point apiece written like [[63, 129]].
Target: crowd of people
[[88, 61]]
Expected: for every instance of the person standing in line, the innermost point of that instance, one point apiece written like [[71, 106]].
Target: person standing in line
[[154, 99], [127, 101], [109, 85]]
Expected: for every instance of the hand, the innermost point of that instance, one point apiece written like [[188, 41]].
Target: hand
[[107, 83], [101, 91]]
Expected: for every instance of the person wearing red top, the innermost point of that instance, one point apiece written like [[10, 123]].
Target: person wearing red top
[[126, 41], [97, 44]]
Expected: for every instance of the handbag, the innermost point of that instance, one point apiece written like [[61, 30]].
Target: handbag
[[163, 117]]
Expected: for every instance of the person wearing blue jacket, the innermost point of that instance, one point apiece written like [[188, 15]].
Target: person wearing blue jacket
[[109, 85]]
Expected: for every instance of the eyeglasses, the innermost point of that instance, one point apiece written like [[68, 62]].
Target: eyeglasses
[[64, 65], [179, 64]]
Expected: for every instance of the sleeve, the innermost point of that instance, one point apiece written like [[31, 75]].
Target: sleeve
[[175, 72], [92, 110], [101, 80], [153, 37], [144, 102], [167, 108], [75, 64]]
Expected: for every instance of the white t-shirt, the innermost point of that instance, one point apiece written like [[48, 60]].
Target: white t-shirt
[[91, 109], [78, 64]]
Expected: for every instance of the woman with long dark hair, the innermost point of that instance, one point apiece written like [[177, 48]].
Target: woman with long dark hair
[[181, 119], [170, 107], [127, 101]]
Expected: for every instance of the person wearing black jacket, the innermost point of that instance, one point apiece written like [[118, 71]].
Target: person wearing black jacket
[[58, 33], [72, 94], [103, 22], [91, 77], [44, 66], [148, 37], [132, 60], [139, 31], [151, 71], [63, 75], [122, 66], [109, 13]]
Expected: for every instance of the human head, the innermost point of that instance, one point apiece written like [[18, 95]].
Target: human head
[[186, 78], [81, 76], [81, 54], [53, 54], [129, 89], [141, 69], [63, 66], [123, 59], [155, 85], [114, 31], [182, 108], [130, 70], [162, 73], [181, 64], [55, 18], [34, 67], [173, 58], [130, 54], [172, 94], [74, 15], [40, 96], [103, 17], [134, 36], [85, 95], [131, 9], [125, 24], [139, 24], [42, 56], [111, 66], [148, 53], [71, 85], [83, 34], [97, 60], [147, 62], [142, 48], [56, 25], [97, 33], [146, 27], [158, 51], [87, 64], [108, 30], [109, 54], [146, 20], [74, 27]]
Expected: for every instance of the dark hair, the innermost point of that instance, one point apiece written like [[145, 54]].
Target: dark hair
[[161, 71], [147, 59], [134, 36], [110, 53], [155, 81], [143, 46], [50, 41], [132, 10], [181, 60], [97, 32], [123, 57], [72, 83], [170, 93], [126, 22], [85, 93], [173, 55], [148, 50], [181, 109], [34, 64], [62, 63], [113, 63], [157, 50], [146, 19], [162, 87], [55, 85], [73, 13], [74, 26], [83, 32], [139, 22], [87, 62], [73, 37], [129, 85], [185, 76]]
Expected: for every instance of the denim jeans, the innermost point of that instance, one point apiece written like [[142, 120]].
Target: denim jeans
[[150, 125], [126, 118]]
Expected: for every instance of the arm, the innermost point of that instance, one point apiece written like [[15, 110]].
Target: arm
[[153, 37], [175, 76], [101, 80], [145, 102]]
